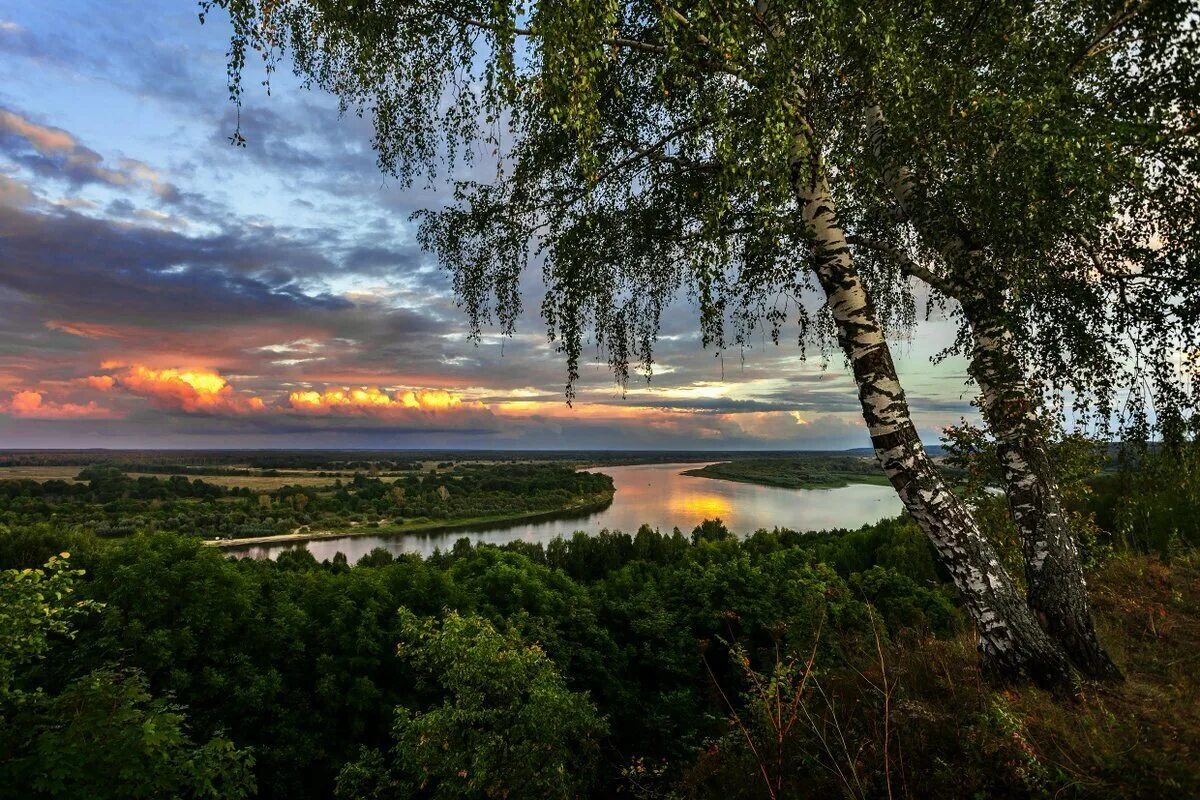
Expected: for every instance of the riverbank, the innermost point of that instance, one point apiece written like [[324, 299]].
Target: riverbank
[[595, 502], [832, 472]]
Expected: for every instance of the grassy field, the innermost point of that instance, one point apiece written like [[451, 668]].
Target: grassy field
[[263, 482], [39, 473], [801, 472]]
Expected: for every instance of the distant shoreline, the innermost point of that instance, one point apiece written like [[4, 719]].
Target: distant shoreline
[[588, 505]]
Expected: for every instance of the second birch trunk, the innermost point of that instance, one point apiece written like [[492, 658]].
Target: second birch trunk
[[1056, 588]]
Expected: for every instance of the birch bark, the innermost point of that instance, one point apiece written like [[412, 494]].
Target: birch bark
[[1055, 584]]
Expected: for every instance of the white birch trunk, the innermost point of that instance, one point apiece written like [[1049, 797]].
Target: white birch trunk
[[1056, 587]]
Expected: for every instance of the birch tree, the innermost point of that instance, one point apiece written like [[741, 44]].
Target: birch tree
[[1047, 186], [646, 150]]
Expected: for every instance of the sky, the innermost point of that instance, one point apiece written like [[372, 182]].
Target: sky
[[160, 287]]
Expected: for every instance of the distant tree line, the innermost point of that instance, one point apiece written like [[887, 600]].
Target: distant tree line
[[111, 503]]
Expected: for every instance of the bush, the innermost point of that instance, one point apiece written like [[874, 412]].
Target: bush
[[506, 725]]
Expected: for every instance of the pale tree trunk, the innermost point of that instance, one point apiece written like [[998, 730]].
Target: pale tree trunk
[[1012, 644], [1056, 589]]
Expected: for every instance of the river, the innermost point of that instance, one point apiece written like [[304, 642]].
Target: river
[[654, 494]]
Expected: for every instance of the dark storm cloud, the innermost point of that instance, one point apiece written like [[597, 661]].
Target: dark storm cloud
[[375, 259], [79, 266]]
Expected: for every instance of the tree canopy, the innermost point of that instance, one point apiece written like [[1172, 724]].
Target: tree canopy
[[1048, 160], [645, 150]]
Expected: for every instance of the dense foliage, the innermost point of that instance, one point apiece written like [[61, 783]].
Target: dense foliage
[[508, 725], [1140, 498], [1152, 505], [84, 729], [297, 660]]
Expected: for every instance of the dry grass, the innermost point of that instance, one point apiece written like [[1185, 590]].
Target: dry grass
[[940, 730], [259, 482], [1139, 738], [39, 473]]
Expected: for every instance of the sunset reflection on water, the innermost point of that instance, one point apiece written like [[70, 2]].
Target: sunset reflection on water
[[700, 505], [667, 493]]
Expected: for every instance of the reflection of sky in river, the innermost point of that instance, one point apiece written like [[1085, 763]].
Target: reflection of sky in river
[[659, 496]]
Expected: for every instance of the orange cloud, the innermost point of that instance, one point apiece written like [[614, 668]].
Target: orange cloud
[[191, 390], [44, 139], [28, 404], [101, 383], [204, 390], [372, 400], [200, 389]]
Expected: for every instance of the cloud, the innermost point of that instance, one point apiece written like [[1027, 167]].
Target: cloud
[[14, 193], [54, 152], [190, 390], [372, 401], [199, 390], [101, 383], [86, 330], [94, 271], [29, 404]]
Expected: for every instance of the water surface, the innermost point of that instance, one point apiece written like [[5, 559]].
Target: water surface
[[652, 494]]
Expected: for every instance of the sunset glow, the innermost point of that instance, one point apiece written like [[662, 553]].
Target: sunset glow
[[162, 288], [189, 390], [371, 399], [33, 405]]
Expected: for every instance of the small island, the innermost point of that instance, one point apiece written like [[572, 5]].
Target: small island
[[798, 472]]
